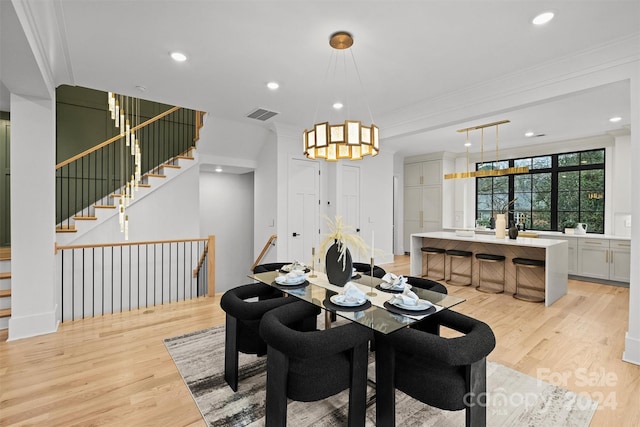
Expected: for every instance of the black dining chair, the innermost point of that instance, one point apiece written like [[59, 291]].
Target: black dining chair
[[244, 307], [313, 365], [447, 373], [364, 268]]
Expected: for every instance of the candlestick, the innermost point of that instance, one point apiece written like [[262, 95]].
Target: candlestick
[[371, 293], [313, 262]]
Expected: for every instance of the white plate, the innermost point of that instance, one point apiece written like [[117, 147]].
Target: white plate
[[283, 280], [421, 305], [340, 300]]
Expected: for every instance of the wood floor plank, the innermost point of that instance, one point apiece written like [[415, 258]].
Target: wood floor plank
[[115, 369]]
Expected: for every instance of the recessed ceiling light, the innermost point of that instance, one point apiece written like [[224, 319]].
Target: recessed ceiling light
[[543, 18], [273, 85], [529, 134], [178, 56], [338, 105], [615, 119], [218, 169]]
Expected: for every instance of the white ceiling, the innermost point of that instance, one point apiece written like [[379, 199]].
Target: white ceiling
[[415, 58]]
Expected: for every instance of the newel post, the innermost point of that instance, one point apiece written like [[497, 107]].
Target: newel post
[[211, 266]]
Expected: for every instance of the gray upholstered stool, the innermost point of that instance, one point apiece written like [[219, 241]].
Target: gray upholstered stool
[[528, 263], [457, 254], [482, 281], [426, 252]]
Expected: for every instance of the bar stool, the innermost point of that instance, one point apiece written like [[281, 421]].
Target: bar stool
[[528, 263], [426, 251], [458, 254], [484, 258]]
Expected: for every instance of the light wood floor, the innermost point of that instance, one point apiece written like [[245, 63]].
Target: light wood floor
[[115, 370]]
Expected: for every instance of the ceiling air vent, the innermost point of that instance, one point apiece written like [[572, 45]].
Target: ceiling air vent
[[261, 114]]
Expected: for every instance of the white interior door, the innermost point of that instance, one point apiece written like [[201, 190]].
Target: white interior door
[[303, 209], [350, 205]]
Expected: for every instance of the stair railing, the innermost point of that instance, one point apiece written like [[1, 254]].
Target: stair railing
[[107, 278], [266, 247], [87, 179]]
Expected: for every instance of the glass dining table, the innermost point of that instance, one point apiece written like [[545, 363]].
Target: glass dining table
[[377, 313]]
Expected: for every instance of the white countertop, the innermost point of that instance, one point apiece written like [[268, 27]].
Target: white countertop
[[553, 234], [533, 242]]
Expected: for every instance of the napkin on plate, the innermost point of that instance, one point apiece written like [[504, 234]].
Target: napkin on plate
[[391, 281], [409, 298], [353, 294], [292, 277]]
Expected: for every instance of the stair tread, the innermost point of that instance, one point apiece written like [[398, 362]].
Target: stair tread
[[66, 230], [172, 166], [5, 293], [85, 217], [6, 275], [155, 175], [185, 157], [5, 312], [5, 253], [144, 185], [104, 206]]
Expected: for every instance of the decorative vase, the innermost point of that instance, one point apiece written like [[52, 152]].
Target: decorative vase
[[513, 231], [339, 271], [492, 223], [501, 226]]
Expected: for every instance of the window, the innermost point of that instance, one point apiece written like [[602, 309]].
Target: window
[[558, 191]]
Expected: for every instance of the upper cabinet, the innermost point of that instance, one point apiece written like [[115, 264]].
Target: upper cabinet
[[422, 198]]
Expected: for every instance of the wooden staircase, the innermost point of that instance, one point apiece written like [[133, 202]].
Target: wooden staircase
[[5, 287], [109, 203]]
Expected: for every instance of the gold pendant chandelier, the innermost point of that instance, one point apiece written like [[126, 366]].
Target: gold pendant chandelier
[[485, 172], [347, 140]]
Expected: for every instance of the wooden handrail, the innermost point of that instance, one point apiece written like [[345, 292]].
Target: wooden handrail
[[104, 245], [116, 138], [264, 250], [196, 270]]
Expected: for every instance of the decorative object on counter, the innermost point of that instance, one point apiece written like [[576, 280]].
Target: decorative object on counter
[[513, 231], [568, 227], [492, 223], [501, 226], [581, 228], [338, 261], [501, 220]]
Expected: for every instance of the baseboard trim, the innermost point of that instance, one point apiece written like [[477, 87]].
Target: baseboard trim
[[34, 325]]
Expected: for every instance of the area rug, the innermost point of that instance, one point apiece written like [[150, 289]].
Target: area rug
[[513, 398]]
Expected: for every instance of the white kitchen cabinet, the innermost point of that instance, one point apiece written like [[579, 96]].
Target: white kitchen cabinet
[[604, 259], [572, 252], [620, 261], [422, 198]]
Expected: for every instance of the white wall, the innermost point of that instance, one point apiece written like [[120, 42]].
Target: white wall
[[33, 299], [227, 211], [171, 211], [265, 217]]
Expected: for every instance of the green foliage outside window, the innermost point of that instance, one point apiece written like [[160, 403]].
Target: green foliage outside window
[[559, 190]]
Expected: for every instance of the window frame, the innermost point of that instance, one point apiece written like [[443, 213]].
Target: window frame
[[554, 170]]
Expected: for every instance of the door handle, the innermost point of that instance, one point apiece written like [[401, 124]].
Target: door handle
[[296, 234]]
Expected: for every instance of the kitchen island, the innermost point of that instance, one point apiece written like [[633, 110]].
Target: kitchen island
[[554, 252]]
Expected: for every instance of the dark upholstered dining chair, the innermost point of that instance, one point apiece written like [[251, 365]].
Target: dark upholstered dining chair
[[364, 268], [447, 373], [244, 307], [310, 366]]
